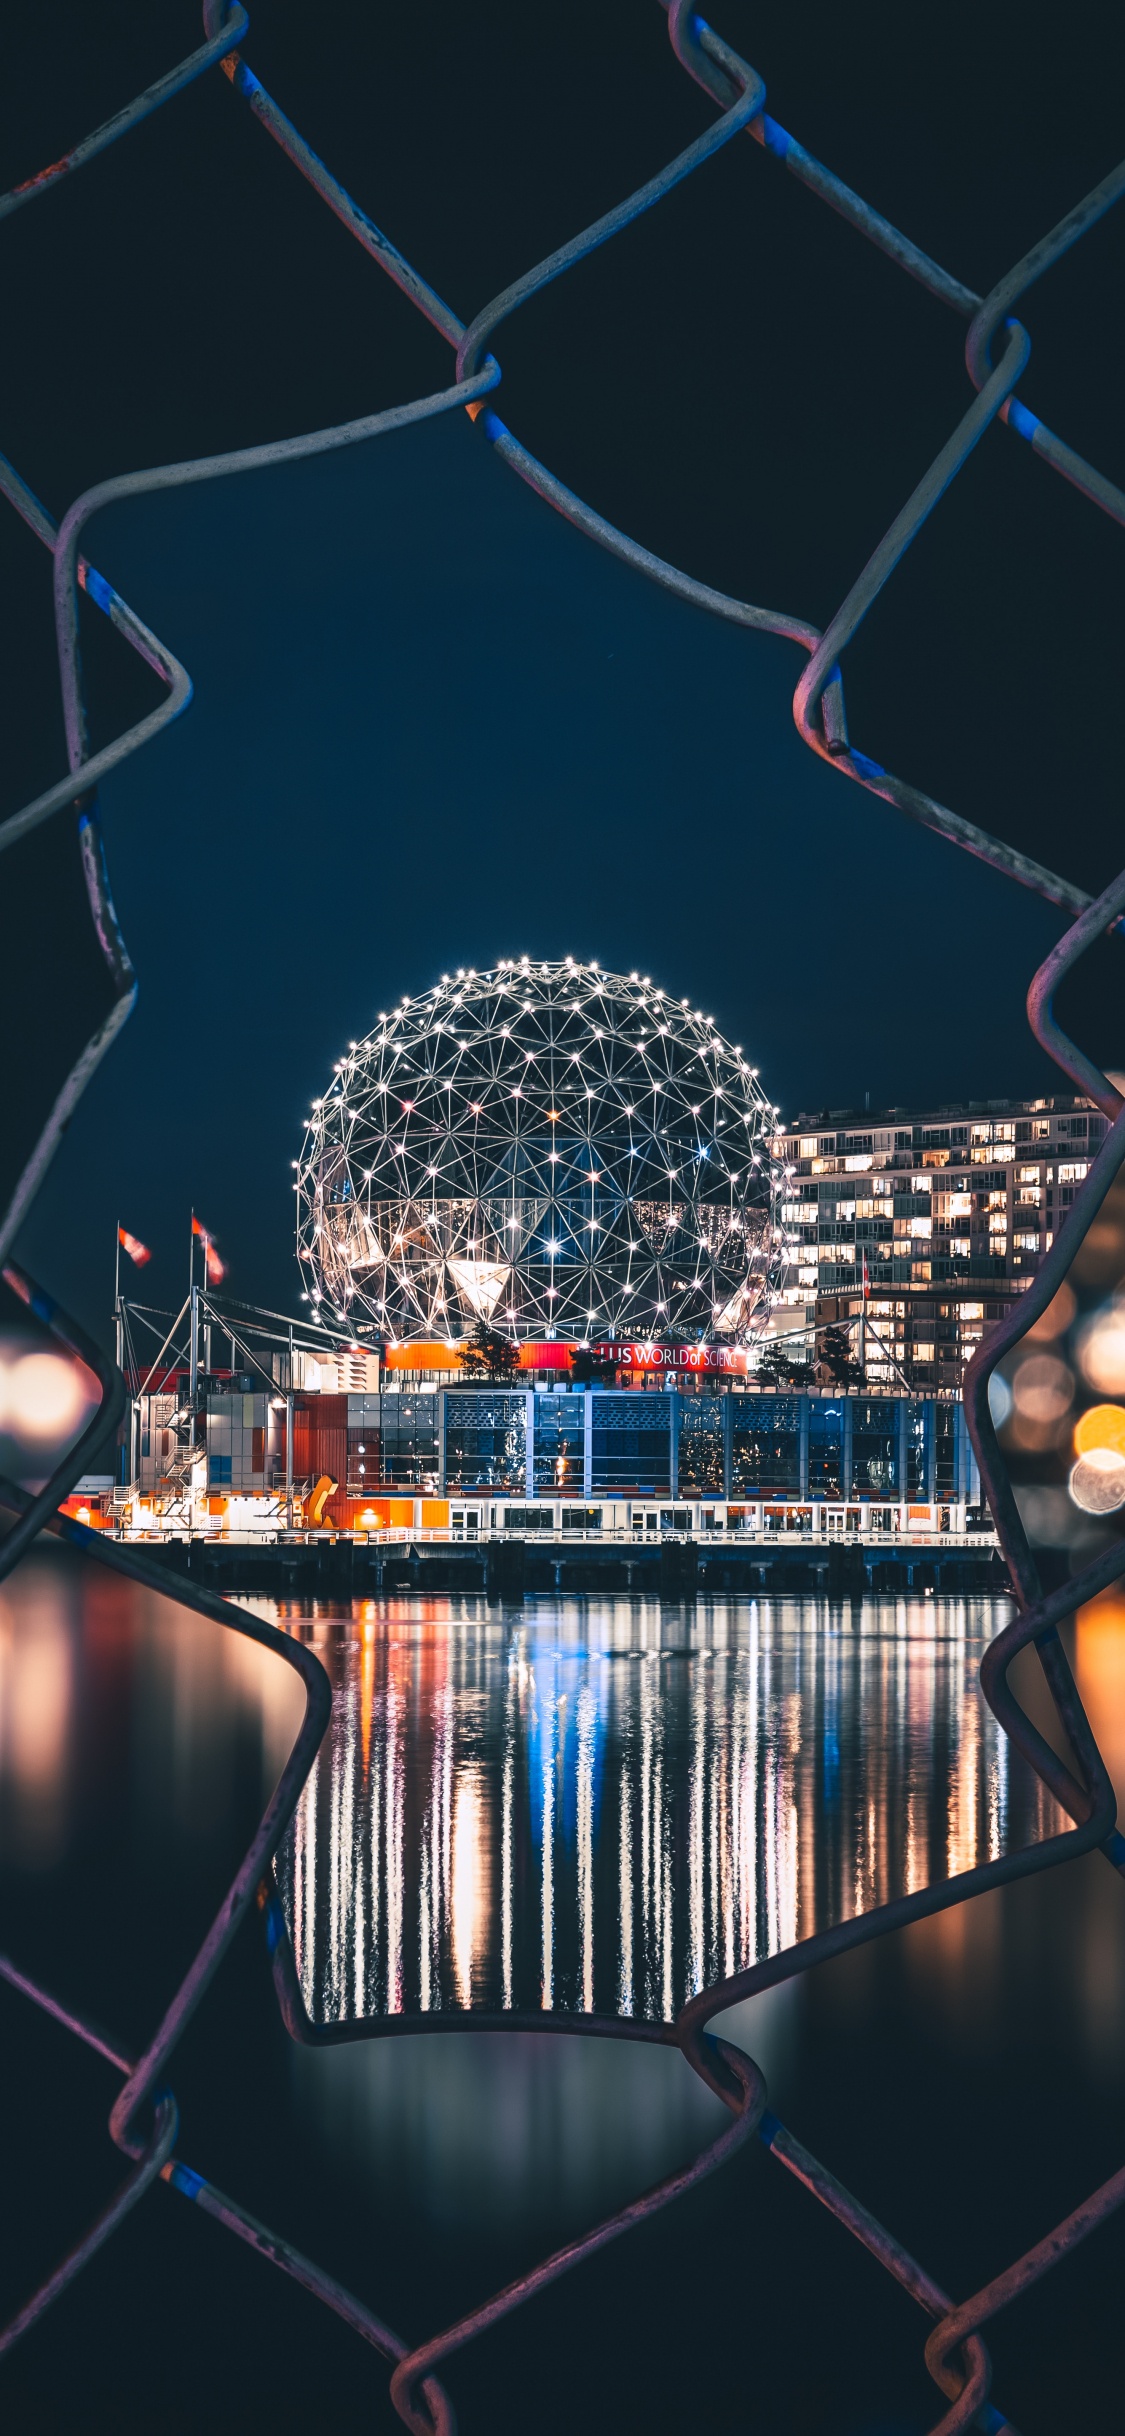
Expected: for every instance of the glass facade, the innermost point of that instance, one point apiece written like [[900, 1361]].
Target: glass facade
[[945, 1452], [392, 1443], [701, 1464], [485, 1440], [560, 1430], [766, 1457], [874, 1447], [826, 1449], [632, 1444], [915, 1484], [624, 1443]]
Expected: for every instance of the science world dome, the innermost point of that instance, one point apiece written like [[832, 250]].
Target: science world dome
[[563, 1153]]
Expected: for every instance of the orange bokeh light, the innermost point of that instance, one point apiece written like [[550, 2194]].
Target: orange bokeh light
[[1102, 1427]]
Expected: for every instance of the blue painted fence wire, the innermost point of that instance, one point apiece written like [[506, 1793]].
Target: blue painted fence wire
[[144, 2121]]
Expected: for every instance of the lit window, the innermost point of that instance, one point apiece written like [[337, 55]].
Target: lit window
[[1073, 1172]]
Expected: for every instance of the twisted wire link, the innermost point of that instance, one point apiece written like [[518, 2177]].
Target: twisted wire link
[[143, 2120], [143, 2092], [818, 703]]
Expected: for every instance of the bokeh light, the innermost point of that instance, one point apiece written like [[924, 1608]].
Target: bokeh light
[[1097, 1483], [1102, 1352], [1043, 1388], [1100, 1429], [46, 1398], [41, 1396]]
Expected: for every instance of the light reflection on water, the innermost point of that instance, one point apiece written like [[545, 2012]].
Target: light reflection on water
[[602, 1805], [109, 1694], [714, 1780]]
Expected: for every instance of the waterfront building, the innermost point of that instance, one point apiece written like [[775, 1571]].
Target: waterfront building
[[519, 1459], [949, 1209]]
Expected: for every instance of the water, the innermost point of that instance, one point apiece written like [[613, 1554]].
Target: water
[[588, 1803], [604, 1805]]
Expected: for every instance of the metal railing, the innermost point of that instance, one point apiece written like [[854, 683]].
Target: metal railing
[[616, 1535], [144, 2122]]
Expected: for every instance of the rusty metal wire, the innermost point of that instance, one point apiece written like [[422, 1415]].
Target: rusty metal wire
[[143, 2122]]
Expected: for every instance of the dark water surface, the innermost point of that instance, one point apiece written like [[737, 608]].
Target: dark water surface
[[603, 1805], [576, 1804]]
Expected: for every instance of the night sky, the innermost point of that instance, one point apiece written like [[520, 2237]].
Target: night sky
[[432, 725]]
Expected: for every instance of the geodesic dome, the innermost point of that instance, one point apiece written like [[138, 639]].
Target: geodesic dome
[[557, 1150]]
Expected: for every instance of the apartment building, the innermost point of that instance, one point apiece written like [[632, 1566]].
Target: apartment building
[[948, 1210]]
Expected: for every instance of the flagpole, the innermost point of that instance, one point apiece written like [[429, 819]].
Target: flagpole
[[125, 1441], [193, 1295], [118, 1327]]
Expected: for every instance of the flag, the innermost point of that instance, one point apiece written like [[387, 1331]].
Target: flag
[[216, 1268], [865, 1286], [138, 1252]]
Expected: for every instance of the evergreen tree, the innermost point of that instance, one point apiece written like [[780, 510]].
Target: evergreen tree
[[779, 1369], [835, 1355], [485, 1354]]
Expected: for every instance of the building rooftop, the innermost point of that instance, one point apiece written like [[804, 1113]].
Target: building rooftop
[[934, 1109]]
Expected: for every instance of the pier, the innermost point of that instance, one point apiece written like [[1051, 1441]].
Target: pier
[[505, 1565]]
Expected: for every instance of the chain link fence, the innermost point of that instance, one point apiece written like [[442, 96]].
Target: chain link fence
[[144, 2121]]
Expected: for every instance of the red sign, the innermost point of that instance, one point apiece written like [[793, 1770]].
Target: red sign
[[674, 1357]]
